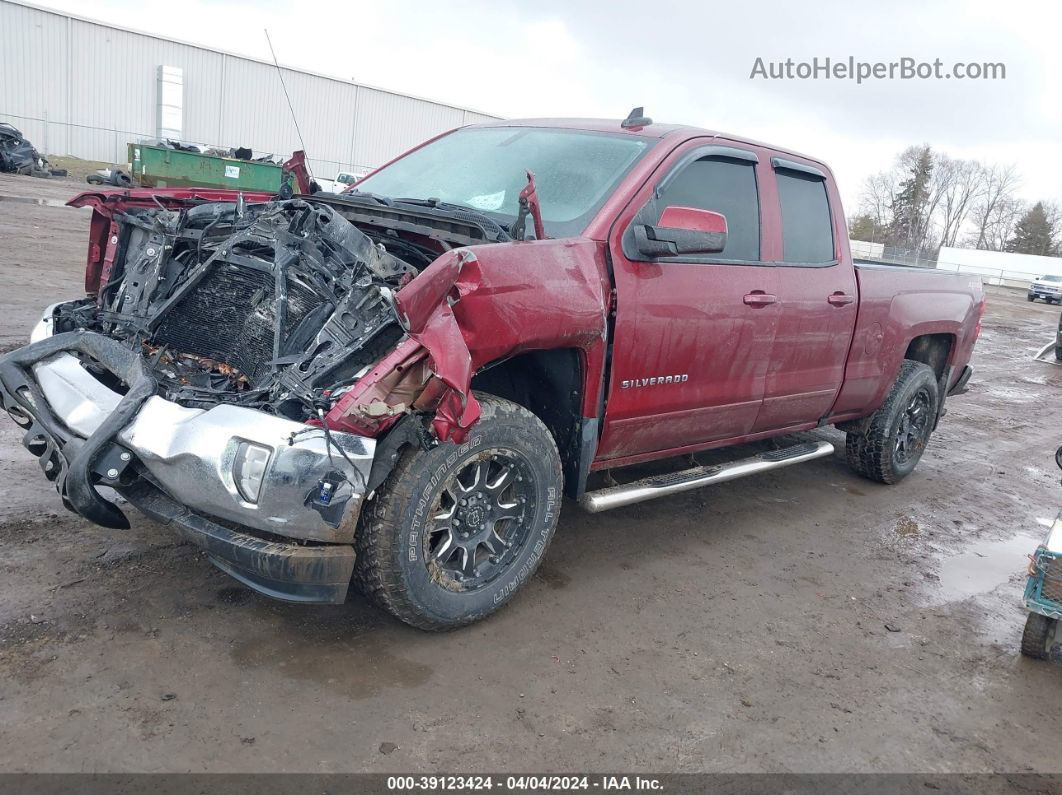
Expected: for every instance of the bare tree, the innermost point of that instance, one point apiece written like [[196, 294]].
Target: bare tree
[[998, 228], [928, 200], [996, 209], [877, 196], [960, 184]]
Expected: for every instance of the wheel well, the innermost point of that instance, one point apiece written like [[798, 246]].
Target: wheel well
[[549, 384], [931, 349]]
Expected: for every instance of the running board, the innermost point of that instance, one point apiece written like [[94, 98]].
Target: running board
[[688, 479]]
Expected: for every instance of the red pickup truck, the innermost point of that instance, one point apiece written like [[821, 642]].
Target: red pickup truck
[[394, 387]]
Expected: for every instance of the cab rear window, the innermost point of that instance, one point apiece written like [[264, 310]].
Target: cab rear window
[[807, 231]]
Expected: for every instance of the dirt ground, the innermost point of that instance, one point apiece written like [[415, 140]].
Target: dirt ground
[[803, 621]]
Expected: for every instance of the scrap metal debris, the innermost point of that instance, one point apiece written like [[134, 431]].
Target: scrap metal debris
[[1048, 353], [18, 155]]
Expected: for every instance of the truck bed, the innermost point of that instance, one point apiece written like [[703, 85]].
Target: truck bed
[[896, 304]]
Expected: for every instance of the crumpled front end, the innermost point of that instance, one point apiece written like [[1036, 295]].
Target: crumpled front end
[[272, 501], [196, 382], [237, 364]]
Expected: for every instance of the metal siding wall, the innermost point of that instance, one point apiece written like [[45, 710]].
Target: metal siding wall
[[255, 113], [471, 117], [96, 85], [389, 124], [33, 72]]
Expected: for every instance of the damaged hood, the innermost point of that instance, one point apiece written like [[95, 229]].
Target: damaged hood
[[273, 306]]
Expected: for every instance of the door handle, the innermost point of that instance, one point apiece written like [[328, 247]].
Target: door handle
[[758, 298], [840, 299]]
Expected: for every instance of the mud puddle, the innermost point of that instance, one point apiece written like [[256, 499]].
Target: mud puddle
[[355, 668], [984, 566]]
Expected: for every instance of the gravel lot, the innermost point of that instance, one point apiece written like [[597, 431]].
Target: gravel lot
[[804, 621]]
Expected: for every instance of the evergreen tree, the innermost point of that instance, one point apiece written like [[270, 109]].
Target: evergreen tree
[[865, 227], [1034, 234], [910, 221]]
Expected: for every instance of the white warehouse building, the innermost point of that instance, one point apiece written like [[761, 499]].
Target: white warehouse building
[[80, 87]]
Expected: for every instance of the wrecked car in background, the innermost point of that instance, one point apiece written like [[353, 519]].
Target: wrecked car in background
[[18, 156], [395, 386]]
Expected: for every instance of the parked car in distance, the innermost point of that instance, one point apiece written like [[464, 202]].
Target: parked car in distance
[[1047, 287], [343, 181]]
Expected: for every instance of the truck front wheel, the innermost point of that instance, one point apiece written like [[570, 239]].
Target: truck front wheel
[[893, 441], [456, 530]]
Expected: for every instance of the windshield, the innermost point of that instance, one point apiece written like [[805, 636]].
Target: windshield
[[1051, 278], [484, 168]]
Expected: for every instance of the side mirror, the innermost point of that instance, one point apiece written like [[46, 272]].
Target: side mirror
[[682, 230]]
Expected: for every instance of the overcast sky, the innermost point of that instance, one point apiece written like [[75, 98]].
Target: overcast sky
[[686, 62]]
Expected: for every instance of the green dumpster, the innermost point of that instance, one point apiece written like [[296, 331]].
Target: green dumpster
[[160, 167]]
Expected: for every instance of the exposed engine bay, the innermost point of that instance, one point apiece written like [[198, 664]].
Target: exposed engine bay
[[278, 306]]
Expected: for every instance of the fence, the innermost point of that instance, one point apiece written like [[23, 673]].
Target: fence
[[990, 274], [997, 276], [892, 255]]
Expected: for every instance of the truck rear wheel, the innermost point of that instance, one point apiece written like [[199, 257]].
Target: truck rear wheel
[[893, 441], [456, 530], [1034, 638]]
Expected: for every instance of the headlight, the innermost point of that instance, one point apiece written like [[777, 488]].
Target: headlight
[[249, 469], [1053, 542]]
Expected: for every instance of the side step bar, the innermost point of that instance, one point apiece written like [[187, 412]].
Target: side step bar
[[672, 483]]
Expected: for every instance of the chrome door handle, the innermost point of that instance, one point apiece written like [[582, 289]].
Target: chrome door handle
[[760, 299]]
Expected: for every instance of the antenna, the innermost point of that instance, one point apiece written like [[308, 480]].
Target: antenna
[[280, 74], [635, 120]]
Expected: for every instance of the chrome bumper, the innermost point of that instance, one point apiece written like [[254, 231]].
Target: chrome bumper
[[310, 489]]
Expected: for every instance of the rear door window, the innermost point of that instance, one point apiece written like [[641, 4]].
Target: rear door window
[[807, 231], [724, 186]]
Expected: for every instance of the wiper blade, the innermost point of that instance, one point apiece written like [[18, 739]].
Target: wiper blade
[[387, 201], [502, 235]]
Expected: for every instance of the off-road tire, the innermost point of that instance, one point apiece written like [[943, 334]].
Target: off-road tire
[[1034, 637], [1030, 298], [393, 534], [873, 453]]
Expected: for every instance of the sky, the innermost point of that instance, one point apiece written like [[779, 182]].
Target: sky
[[685, 62]]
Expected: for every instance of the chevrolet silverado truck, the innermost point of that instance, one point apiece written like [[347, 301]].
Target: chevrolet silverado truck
[[394, 388]]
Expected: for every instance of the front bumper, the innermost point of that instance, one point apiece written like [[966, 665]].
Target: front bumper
[[291, 572], [1045, 292], [180, 465]]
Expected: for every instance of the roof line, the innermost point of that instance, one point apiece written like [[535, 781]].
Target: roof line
[[233, 54]]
